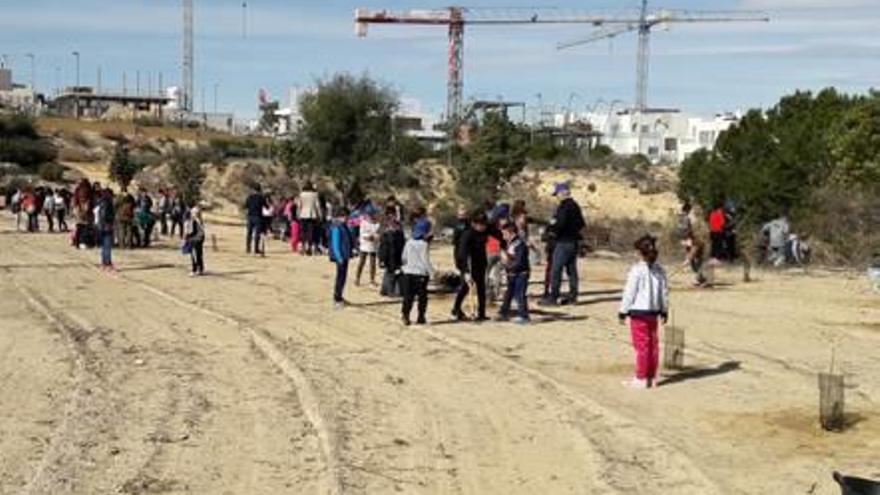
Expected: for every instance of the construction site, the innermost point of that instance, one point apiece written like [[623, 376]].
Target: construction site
[[192, 364]]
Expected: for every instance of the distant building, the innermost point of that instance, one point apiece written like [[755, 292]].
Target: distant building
[[84, 102], [660, 134], [18, 97]]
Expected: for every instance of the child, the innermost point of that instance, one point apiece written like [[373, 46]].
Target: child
[[645, 300], [368, 246], [340, 254], [417, 271], [516, 262], [695, 252]]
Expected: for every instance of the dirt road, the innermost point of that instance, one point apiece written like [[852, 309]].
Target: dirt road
[[246, 382]]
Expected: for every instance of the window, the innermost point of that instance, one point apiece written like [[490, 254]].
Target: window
[[670, 144]]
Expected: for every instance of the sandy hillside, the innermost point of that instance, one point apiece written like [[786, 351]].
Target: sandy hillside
[[246, 382]]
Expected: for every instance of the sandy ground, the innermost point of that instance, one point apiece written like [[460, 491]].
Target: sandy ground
[[246, 381]]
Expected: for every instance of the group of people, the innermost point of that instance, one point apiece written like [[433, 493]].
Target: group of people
[[29, 204], [105, 219], [492, 246]]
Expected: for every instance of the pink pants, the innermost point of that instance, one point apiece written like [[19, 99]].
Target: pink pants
[[645, 342], [294, 236]]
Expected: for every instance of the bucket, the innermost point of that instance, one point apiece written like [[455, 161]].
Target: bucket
[[831, 415], [850, 485]]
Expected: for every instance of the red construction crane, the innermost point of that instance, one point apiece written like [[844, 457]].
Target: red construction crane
[[456, 18]]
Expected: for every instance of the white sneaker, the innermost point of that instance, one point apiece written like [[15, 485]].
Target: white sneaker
[[338, 306], [636, 384]]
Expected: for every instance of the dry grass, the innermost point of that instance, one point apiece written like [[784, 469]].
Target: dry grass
[[73, 127]]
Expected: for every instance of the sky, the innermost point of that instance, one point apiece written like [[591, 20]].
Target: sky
[[700, 68]]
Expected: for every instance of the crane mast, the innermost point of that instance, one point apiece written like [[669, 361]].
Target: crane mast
[[188, 62]]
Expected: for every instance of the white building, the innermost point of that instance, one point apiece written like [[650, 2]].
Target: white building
[[664, 135], [16, 96]]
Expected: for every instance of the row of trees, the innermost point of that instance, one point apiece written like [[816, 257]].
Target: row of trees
[[807, 152]]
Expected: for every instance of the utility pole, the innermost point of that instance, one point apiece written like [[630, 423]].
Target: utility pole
[[99, 81], [76, 55], [33, 59], [216, 90]]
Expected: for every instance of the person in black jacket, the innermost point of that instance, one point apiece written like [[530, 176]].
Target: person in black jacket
[[471, 262], [567, 226], [391, 245], [516, 262], [254, 209], [462, 223]]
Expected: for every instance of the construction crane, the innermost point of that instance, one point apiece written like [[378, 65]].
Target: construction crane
[[188, 62], [644, 23], [455, 18]]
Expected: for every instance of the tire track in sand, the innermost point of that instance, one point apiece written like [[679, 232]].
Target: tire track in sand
[[141, 483], [630, 455]]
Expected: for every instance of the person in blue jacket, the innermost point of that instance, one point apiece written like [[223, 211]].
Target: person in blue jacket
[[340, 253]]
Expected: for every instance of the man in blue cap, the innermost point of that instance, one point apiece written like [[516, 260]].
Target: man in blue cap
[[567, 225]]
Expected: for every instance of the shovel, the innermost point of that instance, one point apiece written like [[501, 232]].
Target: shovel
[[850, 485]]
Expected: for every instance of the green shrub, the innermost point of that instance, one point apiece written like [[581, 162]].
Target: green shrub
[[51, 172]]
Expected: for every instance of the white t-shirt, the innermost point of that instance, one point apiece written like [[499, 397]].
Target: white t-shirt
[[369, 238]]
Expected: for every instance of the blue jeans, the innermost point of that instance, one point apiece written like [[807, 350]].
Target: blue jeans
[[341, 276], [254, 228], [517, 289], [106, 248], [565, 256]]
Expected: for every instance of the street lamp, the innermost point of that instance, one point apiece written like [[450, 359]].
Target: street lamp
[[76, 55]]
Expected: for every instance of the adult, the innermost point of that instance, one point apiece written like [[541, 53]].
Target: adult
[[105, 220], [196, 237], [472, 262], [717, 226], [684, 225], [144, 218], [567, 225], [29, 205], [391, 203], [164, 210], [49, 209], [177, 214], [391, 253], [61, 205], [777, 234], [125, 217], [15, 201], [308, 205], [253, 206]]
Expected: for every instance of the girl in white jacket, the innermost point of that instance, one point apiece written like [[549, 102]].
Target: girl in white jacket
[[645, 302]]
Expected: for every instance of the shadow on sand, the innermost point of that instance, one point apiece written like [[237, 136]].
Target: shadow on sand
[[693, 373]]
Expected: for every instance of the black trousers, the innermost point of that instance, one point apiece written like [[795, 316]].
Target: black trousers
[[415, 286], [479, 277], [198, 257]]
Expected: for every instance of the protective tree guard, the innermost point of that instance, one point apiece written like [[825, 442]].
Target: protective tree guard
[[831, 402]]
